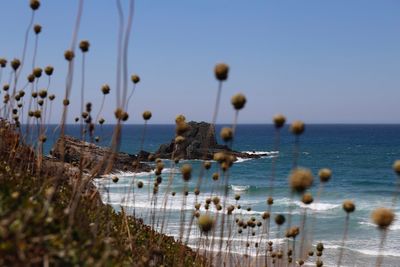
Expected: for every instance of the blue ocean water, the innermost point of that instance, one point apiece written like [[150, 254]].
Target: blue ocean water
[[360, 156]]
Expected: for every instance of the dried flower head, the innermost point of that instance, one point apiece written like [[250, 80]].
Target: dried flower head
[[147, 115], [279, 121], [66, 102], [34, 94], [69, 55], [181, 128], [383, 217], [320, 247], [325, 175], [37, 72], [43, 93], [84, 46], [31, 78], [396, 166], [237, 197], [206, 223], [221, 71], [307, 198], [35, 4], [180, 118], [37, 28], [101, 120], [270, 201], [15, 63], [300, 179], [215, 176], [135, 78], [348, 206], [115, 179], [293, 232], [280, 219], [266, 215], [186, 171], [49, 70], [297, 127], [226, 134], [3, 62], [6, 87], [207, 165], [238, 101]]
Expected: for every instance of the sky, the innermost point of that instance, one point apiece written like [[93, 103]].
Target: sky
[[317, 61]]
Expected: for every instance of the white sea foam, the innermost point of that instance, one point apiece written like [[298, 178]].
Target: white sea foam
[[369, 252], [261, 153], [239, 160], [394, 227], [317, 206], [240, 188]]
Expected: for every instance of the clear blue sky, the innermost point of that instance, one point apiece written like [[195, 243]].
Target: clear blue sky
[[319, 61]]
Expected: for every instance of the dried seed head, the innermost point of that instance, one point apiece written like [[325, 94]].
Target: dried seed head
[[216, 200], [37, 28], [226, 134], [118, 113], [237, 197], [348, 206], [325, 175], [311, 253], [105, 88], [135, 78], [297, 127], [43, 93], [319, 263], [6, 87], [206, 223], [219, 157], [69, 55], [383, 217], [207, 165], [320, 247], [15, 63], [49, 70], [37, 72], [31, 78], [147, 115], [221, 71], [101, 120], [215, 176], [40, 102], [180, 118], [238, 101], [66, 102], [76, 119], [265, 215], [181, 128], [34, 94], [84, 46], [43, 138], [270, 201], [293, 232], [300, 179], [52, 97], [280, 219], [186, 171], [125, 116], [97, 139], [115, 179], [179, 139], [35, 4], [279, 120], [196, 191], [396, 166], [307, 198], [3, 62]]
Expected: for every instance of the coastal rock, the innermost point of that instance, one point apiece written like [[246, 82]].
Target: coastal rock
[[94, 156], [200, 143]]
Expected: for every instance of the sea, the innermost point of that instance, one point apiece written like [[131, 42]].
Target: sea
[[360, 157]]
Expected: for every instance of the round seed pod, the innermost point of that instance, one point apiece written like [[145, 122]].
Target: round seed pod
[[297, 127], [301, 262], [173, 193], [34, 94], [179, 139], [383, 217], [76, 119], [238, 101], [248, 209], [293, 232], [20, 105], [37, 72], [15, 111], [17, 97], [85, 115], [125, 116], [105, 89], [207, 165], [84, 46], [49, 70], [31, 113], [206, 223], [3, 62], [135, 78], [208, 200], [239, 207], [300, 180], [230, 209], [280, 219], [40, 102], [30, 78], [147, 115], [66, 102], [215, 176], [325, 175], [270, 201], [180, 118], [216, 200], [118, 113], [396, 166], [265, 215], [219, 157], [37, 28], [307, 198], [320, 247], [15, 63], [52, 97], [218, 207], [139, 184], [115, 179], [35, 4], [279, 121], [101, 121], [181, 128], [186, 171], [6, 87], [319, 263], [311, 253], [97, 139], [237, 197], [196, 191], [43, 93], [69, 55], [279, 255], [21, 93], [348, 206], [319, 253], [221, 71], [226, 134], [43, 138]]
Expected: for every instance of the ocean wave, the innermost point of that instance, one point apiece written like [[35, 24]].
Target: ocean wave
[[369, 252], [317, 206], [240, 188], [267, 153], [394, 227], [239, 160]]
